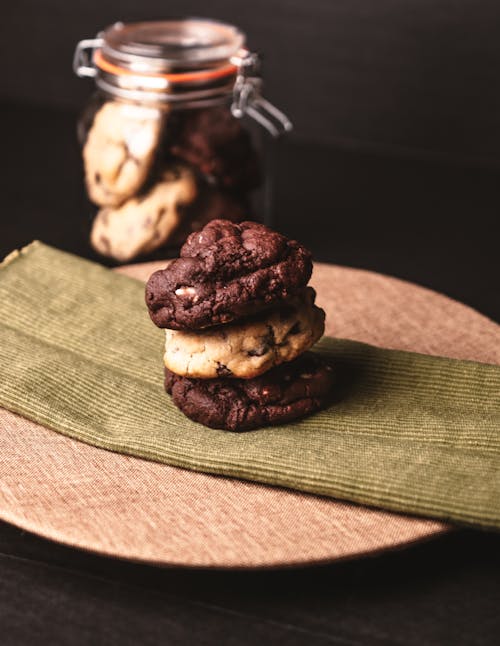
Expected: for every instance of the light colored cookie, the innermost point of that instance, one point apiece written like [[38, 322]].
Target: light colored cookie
[[145, 223], [246, 350], [119, 151]]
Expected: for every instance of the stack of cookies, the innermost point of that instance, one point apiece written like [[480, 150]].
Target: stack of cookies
[[157, 176], [239, 318]]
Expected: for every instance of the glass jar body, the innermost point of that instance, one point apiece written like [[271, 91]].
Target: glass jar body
[[157, 172]]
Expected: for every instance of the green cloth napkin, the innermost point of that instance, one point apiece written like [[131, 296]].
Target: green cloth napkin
[[407, 432]]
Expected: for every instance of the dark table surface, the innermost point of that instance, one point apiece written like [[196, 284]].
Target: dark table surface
[[428, 222]]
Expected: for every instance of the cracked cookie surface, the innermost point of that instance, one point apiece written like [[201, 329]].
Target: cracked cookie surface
[[281, 395], [119, 151], [215, 142], [211, 204], [225, 272], [144, 223], [248, 348]]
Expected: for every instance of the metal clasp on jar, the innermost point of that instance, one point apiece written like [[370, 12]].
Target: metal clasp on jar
[[246, 91], [247, 97], [83, 65]]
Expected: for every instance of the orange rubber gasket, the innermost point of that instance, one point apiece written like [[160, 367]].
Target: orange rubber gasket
[[183, 77]]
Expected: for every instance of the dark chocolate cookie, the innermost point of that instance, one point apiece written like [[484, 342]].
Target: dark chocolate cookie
[[281, 395], [211, 204], [219, 147], [226, 271]]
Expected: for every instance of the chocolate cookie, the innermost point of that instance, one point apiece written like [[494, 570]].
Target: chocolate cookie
[[146, 222], [281, 395], [226, 271], [248, 348], [119, 151], [211, 204], [219, 147]]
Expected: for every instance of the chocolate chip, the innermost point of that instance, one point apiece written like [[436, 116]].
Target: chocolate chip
[[222, 370], [260, 351], [266, 343], [295, 329]]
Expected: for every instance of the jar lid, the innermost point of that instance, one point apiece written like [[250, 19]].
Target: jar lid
[[191, 62], [170, 46]]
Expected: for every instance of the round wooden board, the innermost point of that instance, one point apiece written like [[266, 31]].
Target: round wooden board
[[130, 508]]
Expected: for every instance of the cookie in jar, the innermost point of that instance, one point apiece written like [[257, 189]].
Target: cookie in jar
[[177, 133]]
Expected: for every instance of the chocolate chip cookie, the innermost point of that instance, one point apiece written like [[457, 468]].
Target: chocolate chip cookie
[[247, 349], [120, 150], [144, 223], [283, 394], [226, 271]]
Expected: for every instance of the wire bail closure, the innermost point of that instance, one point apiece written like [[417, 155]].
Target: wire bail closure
[[83, 63], [247, 90], [248, 99]]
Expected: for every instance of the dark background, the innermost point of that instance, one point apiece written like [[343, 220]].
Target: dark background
[[395, 159], [413, 76], [393, 166]]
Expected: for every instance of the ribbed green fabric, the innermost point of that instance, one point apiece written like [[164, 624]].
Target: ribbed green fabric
[[408, 432]]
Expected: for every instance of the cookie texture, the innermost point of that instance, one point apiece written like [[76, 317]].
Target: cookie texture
[[281, 395], [219, 147], [144, 223], [120, 150], [247, 349], [226, 271], [211, 204]]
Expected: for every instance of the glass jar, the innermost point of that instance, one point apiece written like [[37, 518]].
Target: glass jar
[[177, 133]]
